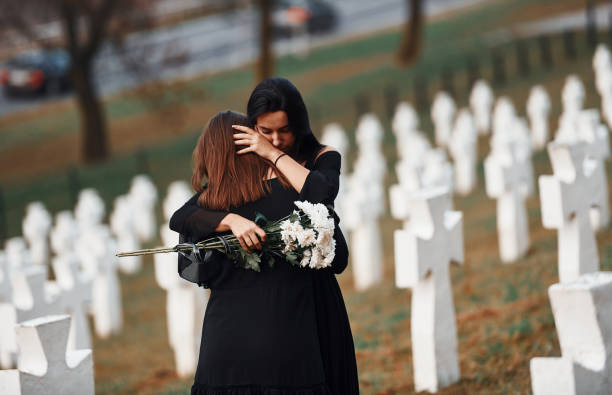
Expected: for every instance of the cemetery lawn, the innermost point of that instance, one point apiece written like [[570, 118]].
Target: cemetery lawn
[[503, 312]]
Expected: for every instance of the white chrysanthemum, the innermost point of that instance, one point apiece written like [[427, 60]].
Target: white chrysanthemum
[[289, 232], [324, 238], [316, 259], [306, 258], [329, 253], [290, 246], [306, 238], [317, 213]]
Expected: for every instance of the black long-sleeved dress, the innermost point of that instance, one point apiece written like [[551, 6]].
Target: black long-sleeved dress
[[335, 342]]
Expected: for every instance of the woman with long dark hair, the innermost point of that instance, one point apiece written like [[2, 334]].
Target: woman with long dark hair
[[259, 334], [281, 134]]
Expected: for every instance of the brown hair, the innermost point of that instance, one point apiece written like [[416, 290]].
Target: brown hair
[[233, 180]]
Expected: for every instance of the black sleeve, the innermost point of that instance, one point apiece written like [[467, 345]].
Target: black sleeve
[[195, 222], [322, 183], [342, 253], [202, 270]]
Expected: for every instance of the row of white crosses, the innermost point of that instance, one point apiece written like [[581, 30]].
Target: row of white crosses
[[538, 108], [186, 302], [54, 353], [364, 203], [85, 270]]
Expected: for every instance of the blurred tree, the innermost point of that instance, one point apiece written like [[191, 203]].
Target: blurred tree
[[265, 64], [86, 24], [410, 48]]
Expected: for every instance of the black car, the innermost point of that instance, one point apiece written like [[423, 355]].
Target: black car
[[318, 16], [36, 72]]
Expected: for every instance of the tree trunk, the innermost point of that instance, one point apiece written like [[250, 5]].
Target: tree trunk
[[265, 67], [410, 47], [94, 141]]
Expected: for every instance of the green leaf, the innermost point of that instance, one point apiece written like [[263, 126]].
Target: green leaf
[[292, 258], [253, 261]]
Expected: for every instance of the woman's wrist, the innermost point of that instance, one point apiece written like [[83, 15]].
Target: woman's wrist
[[226, 223], [274, 154]]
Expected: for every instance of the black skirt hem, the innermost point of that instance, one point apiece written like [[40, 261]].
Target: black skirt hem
[[204, 389]]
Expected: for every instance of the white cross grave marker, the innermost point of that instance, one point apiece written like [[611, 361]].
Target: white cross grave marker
[[36, 225], [462, 147], [45, 365], [602, 59], [442, 114], [122, 223], [96, 250], [365, 203], [334, 136], [76, 289], [6, 289], [6, 312], [481, 103], [565, 200], [505, 181], [186, 303], [405, 121], [17, 253], [143, 195], [583, 318], [572, 94], [538, 110], [32, 297], [89, 210], [423, 251]]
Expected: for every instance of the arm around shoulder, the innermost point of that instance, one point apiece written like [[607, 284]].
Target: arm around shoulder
[[323, 181]]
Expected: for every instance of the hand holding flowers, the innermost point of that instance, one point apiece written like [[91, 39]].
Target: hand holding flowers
[[303, 238]]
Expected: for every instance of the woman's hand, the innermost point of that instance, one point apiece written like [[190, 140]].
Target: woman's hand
[[247, 232], [255, 142]]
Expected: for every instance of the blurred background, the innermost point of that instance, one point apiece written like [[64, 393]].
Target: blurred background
[[96, 92]]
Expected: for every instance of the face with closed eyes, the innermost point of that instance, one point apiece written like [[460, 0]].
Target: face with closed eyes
[[274, 126]]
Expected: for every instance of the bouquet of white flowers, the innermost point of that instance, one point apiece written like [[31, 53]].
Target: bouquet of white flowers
[[304, 238]]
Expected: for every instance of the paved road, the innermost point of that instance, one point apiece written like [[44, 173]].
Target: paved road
[[224, 41]]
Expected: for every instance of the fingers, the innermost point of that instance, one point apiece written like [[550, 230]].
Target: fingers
[[242, 136], [242, 244], [243, 142], [245, 129], [261, 233], [255, 241], [245, 150]]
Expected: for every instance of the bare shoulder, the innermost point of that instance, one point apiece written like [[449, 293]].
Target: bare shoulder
[[325, 149]]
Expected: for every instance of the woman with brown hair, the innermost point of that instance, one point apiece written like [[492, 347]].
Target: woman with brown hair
[[260, 331], [280, 133]]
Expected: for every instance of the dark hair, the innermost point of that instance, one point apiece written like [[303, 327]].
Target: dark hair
[[232, 179], [279, 94]]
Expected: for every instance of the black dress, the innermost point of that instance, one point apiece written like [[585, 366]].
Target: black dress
[[335, 342]]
